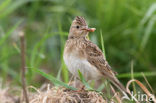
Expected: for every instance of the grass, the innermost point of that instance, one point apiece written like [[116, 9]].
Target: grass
[[53, 79], [124, 31], [137, 74], [6, 36]]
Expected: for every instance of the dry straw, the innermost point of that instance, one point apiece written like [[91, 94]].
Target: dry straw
[[63, 95]]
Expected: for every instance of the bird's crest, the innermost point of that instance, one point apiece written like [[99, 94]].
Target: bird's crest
[[80, 20]]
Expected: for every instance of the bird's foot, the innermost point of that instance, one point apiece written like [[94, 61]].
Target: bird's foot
[[81, 89]]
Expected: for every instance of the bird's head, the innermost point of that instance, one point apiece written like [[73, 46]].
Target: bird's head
[[79, 28]]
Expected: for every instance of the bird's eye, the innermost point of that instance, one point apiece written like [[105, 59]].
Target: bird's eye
[[77, 27]]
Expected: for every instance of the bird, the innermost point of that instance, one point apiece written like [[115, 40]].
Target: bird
[[82, 54]]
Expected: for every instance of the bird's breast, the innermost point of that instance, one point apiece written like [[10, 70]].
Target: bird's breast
[[75, 61]]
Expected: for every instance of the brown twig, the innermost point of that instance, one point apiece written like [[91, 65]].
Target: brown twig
[[22, 40]]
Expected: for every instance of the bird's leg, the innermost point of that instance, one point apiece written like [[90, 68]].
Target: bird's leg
[[75, 81], [82, 88], [77, 84], [70, 81]]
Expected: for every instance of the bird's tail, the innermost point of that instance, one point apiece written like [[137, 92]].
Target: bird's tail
[[117, 83]]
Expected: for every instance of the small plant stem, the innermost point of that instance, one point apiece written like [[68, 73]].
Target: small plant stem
[[23, 64], [132, 75]]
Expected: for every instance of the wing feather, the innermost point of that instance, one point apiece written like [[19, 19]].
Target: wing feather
[[95, 57]]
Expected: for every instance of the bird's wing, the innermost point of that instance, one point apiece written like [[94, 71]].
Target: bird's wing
[[96, 58]]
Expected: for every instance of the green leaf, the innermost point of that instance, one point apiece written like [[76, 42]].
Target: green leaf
[[63, 66], [101, 87], [13, 5], [84, 81], [4, 38], [148, 32], [102, 43], [53, 79], [136, 74], [4, 4]]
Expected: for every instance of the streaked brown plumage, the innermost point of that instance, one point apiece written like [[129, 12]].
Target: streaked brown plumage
[[82, 54]]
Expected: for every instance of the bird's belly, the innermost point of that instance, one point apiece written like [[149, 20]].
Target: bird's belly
[[74, 64]]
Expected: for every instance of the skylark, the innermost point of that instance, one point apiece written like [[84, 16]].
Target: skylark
[[81, 54]]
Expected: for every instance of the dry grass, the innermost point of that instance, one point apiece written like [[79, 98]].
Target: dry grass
[[63, 95], [51, 95], [6, 96], [48, 94]]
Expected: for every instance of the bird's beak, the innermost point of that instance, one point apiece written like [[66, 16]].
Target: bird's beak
[[89, 29]]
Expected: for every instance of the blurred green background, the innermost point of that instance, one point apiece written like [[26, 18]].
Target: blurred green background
[[127, 27]]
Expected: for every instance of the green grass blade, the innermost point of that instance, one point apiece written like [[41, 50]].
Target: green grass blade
[[149, 13], [34, 52], [40, 43], [148, 32], [59, 74], [13, 6], [4, 4], [16, 48], [84, 81], [132, 76], [137, 74], [4, 38], [34, 59], [53, 79], [102, 43], [36, 47], [63, 68], [101, 87]]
